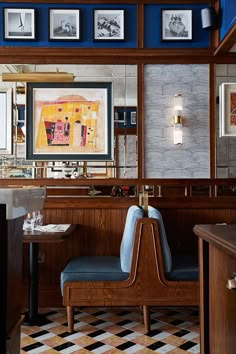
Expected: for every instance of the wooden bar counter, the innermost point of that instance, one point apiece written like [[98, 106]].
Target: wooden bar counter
[[217, 261]]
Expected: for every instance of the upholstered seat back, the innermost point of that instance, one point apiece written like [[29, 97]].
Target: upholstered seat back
[[166, 254], [126, 248], [177, 266]]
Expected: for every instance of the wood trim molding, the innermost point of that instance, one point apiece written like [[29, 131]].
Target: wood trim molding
[[212, 120], [62, 182], [42, 55], [227, 43], [140, 26], [215, 34]]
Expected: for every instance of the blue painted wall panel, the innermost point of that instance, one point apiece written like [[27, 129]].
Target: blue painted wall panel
[[152, 25], [86, 22], [227, 16]]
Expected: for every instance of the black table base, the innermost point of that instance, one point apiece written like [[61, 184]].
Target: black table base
[[32, 317], [38, 320]]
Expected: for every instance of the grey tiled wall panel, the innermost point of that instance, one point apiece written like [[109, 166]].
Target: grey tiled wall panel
[[162, 158]]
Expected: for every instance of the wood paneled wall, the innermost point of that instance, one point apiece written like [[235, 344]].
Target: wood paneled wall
[[100, 230]]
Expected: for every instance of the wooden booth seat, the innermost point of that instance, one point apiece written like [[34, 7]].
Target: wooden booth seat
[[144, 275]]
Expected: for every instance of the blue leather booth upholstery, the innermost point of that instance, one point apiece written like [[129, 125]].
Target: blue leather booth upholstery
[[105, 268], [177, 266]]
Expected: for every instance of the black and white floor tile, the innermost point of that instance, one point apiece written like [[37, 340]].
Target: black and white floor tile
[[114, 330]]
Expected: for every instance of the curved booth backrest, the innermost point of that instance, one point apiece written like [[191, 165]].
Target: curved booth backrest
[[126, 248], [166, 254]]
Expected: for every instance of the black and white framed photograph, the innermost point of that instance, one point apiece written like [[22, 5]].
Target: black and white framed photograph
[[64, 24], [133, 119], [176, 25], [109, 25], [19, 23]]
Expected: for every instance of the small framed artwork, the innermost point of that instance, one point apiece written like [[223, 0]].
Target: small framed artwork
[[6, 122], [109, 25], [133, 119], [19, 23], [176, 25], [64, 24], [69, 121], [227, 114]]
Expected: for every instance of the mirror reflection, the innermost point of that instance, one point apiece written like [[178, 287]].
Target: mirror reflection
[[124, 102]]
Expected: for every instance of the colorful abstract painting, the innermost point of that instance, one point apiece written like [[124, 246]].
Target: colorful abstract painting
[[233, 108], [72, 122], [227, 109]]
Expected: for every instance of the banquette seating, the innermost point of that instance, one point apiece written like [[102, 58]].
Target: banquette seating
[[145, 274]]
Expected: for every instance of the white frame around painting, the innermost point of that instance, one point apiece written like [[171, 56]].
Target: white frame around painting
[[227, 109], [19, 23], [6, 122], [64, 24], [109, 24], [176, 25]]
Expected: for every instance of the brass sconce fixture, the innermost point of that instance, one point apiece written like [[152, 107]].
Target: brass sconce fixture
[[177, 119]]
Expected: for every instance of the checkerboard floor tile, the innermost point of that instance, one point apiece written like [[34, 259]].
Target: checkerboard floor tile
[[115, 330]]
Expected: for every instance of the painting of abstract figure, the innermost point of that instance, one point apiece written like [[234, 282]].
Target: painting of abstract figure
[[81, 116], [73, 122]]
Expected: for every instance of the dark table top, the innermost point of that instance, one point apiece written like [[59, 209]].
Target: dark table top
[[47, 237]]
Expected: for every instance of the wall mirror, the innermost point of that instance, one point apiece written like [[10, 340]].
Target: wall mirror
[[124, 121]]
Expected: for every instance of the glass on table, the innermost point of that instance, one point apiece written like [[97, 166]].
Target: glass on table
[[33, 220], [28, 224]]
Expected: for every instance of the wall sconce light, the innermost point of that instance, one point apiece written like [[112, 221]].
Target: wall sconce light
[[209, 19], [177, 119]]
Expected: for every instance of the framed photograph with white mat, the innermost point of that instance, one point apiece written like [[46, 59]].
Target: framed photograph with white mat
[[64, 24], [19, 24], [176, 25], [109, 24]]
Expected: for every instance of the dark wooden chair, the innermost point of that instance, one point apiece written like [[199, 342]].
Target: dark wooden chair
[[147, 279]]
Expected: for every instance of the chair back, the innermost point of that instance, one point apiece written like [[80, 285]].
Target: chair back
[[126, 248], [165, 249]]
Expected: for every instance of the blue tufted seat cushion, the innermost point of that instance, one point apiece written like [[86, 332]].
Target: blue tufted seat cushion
[[105, 268], [181, 266]]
